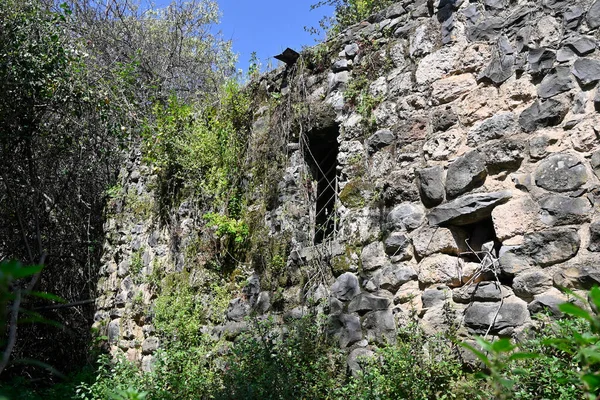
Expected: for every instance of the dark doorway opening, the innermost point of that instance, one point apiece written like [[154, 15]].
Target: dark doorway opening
[[321, 157]]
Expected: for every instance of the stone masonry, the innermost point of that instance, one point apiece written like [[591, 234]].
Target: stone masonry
[[468, 194]]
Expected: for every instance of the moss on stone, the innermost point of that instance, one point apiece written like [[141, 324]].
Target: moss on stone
[[343, 263], [340, 264], [352, 196]]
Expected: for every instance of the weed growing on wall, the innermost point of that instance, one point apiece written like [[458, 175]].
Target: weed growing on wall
[[317, 58], [358, 94], [199, 149], [198, 152], [347, 13]]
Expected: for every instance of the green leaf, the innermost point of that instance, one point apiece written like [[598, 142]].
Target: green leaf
[[481, 375], [595, 296], [480, 355], [571, 293], [591, 354], [485, 345], [576, 311], [47, 296], [592, 381], [523, 356], [507, 383], [502, 346], [24, 272]]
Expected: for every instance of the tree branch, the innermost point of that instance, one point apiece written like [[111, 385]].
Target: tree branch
[[12, 332]]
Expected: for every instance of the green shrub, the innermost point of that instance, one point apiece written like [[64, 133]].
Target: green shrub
[[584, 346], [179, 313], [416, 367], [553, 373], [498, 357], [560, 362], [186, 365], [137, 264], [199, 147], [317, 58], [271, 363], [234, 229], [112, 378], [299, 360]]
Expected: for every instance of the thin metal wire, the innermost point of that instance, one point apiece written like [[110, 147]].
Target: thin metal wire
[[325, 177], [323, 226], [326, 204], [329, 183], [488, 263]]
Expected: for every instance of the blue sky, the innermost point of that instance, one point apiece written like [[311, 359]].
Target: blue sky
[[267, 26]]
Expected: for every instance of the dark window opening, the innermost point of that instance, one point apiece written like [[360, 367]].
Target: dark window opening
[[474, 236], [478, 234], [321, 157]]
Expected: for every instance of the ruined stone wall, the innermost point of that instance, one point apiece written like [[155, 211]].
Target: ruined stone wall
[[467, 179]]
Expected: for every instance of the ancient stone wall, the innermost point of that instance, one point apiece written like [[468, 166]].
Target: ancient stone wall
[[466, 188]]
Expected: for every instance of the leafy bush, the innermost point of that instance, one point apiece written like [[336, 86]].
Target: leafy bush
[[416, 367], [201, 147], [584, 346], [298, 361], [560, 362], [317, 58], [264, 363], [179, 314], [497, 358], [113, 379], [186, 365], [553, 373], [234, 229]]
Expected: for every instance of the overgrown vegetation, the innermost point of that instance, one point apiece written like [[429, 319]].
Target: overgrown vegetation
[[78, 82], [347, 13], [359, 94], [198, 153], [301, 360], [201, 146], [86, 82], [52, 168], [317, 58]]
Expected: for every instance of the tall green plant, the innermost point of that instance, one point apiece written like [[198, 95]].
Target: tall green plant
[[568, 350], [268, 363], [584, 347], [200, 147], [417, 366], [497, 358]]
